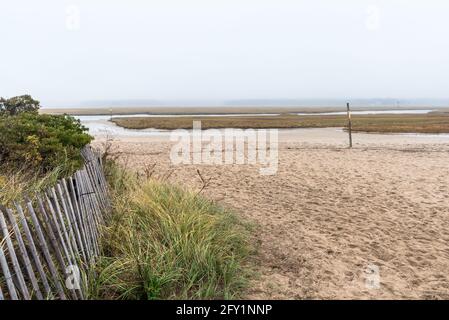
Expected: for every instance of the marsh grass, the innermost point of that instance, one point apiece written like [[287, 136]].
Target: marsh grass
[[406, 123], [165, 242]]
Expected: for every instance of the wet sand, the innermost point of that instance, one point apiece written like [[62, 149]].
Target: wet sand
[[330, 212]]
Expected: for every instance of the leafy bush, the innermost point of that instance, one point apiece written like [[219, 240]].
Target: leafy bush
[[43, 142], [16, 105]]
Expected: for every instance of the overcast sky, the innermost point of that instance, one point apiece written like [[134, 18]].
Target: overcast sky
[[63, 52]]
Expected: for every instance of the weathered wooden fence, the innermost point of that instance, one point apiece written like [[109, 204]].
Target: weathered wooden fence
[[49, 242]]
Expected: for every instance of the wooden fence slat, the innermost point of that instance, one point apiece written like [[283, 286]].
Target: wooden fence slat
[[94, 162], [102, 180], [65, 240], [91, 173], [73, 230], [51, 229], [91, 200], [76, 194], [33, 249], [77, 227], [70, 190], [86, 214], [66, 222], [87, 211], [24, 253], [99, 180], [95, 201], [7, 274], [58, 231], [93, 211], [68, 240], [45, 250], [12, 253]]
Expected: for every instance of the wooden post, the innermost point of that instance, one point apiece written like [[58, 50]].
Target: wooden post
[[349, 125]]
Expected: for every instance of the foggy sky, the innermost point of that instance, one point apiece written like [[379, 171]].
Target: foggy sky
[[223, 49]]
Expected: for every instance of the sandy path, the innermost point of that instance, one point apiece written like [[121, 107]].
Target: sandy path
[[330, 212]]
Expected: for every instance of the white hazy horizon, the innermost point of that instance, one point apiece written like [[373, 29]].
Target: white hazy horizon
[[66, 52]]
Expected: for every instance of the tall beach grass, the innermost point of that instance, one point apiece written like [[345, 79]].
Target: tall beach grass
[[166, 242], [16, 182]]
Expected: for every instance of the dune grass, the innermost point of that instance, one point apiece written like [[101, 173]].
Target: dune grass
[[15, 183], [166, 242], [421, 123]]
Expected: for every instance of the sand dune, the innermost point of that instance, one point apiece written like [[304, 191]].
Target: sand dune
[[331, 212]]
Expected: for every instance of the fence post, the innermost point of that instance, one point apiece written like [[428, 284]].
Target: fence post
[[349, 124]]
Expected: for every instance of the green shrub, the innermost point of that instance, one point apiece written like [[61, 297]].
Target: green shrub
[[16, 105], [42, 142]]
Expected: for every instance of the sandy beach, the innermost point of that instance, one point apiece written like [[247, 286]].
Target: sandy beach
[[330, 213]]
